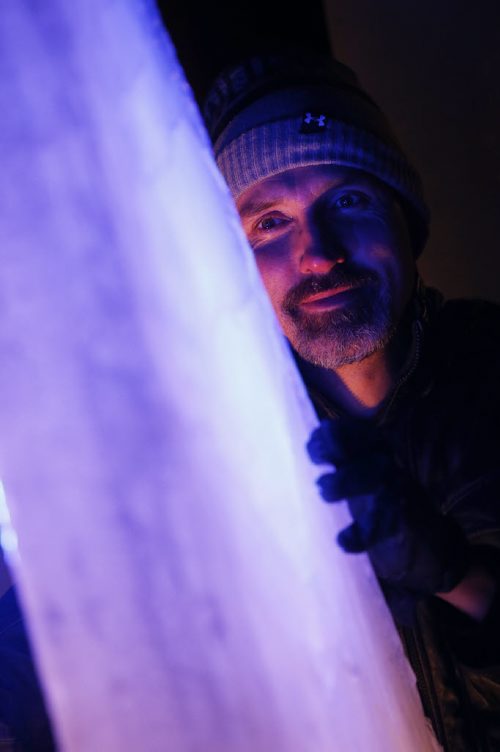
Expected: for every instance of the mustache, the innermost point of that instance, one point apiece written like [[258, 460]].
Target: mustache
[[340, 276]]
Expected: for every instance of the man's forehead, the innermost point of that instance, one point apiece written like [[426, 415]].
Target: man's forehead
[[315, 178]]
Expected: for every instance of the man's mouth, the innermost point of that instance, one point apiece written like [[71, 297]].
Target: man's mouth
[[318, 294], [331, 298]]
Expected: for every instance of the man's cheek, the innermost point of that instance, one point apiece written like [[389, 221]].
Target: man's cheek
[[274, 273]]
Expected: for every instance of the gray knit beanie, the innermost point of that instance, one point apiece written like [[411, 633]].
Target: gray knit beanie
[[274, 112]]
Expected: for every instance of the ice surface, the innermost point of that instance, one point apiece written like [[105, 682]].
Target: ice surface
[[183, 587]]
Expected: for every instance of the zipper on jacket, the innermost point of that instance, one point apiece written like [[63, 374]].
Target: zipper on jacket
[[417, 348]]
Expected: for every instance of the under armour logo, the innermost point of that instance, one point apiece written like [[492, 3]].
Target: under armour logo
[[312, 123], [319, 119]]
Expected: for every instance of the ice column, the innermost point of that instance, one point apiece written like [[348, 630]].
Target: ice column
[[180, 575]]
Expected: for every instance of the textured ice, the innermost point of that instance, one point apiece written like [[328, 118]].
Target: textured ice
[[179, 573]]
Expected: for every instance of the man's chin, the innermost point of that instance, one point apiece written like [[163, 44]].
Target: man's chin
[[343, 336], [339, 348]]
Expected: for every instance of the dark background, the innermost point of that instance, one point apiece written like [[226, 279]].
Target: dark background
[[434, 67]]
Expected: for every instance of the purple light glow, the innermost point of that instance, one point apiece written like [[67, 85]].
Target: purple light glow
[[179, 573]]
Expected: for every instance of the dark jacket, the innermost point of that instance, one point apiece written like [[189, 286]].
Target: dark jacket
[[443, 422]]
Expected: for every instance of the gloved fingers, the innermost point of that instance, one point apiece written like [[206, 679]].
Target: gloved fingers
[[379, 516], [362, 477], [376, 521], [340, 440], [350, 539], [362, 535]]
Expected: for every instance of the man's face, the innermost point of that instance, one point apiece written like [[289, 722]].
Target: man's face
[[334, 254]]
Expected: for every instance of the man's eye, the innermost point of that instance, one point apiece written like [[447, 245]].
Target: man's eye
[[267, 224], [350, 201]]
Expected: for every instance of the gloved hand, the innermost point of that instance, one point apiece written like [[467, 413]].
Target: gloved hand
[[414, 549]]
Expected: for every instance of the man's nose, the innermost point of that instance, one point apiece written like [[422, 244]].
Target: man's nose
[[318, 255]]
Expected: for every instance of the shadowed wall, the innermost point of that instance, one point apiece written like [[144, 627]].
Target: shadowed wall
[[434, 68]]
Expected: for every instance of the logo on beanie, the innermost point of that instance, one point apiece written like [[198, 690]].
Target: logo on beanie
[[313, 122]]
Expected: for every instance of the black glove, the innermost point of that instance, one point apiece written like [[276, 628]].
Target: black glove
[[414, 549]]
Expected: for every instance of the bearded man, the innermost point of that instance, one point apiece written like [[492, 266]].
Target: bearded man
[[406, 384]]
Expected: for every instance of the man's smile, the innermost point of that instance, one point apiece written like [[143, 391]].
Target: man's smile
[[330, 298]]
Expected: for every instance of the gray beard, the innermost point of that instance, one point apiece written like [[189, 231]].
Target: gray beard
[[336, 338]]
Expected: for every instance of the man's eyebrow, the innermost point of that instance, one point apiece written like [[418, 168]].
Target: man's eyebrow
[[251, 208]]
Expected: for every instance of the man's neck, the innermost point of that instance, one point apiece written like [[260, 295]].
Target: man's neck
[[357, 388], [360, 389]]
